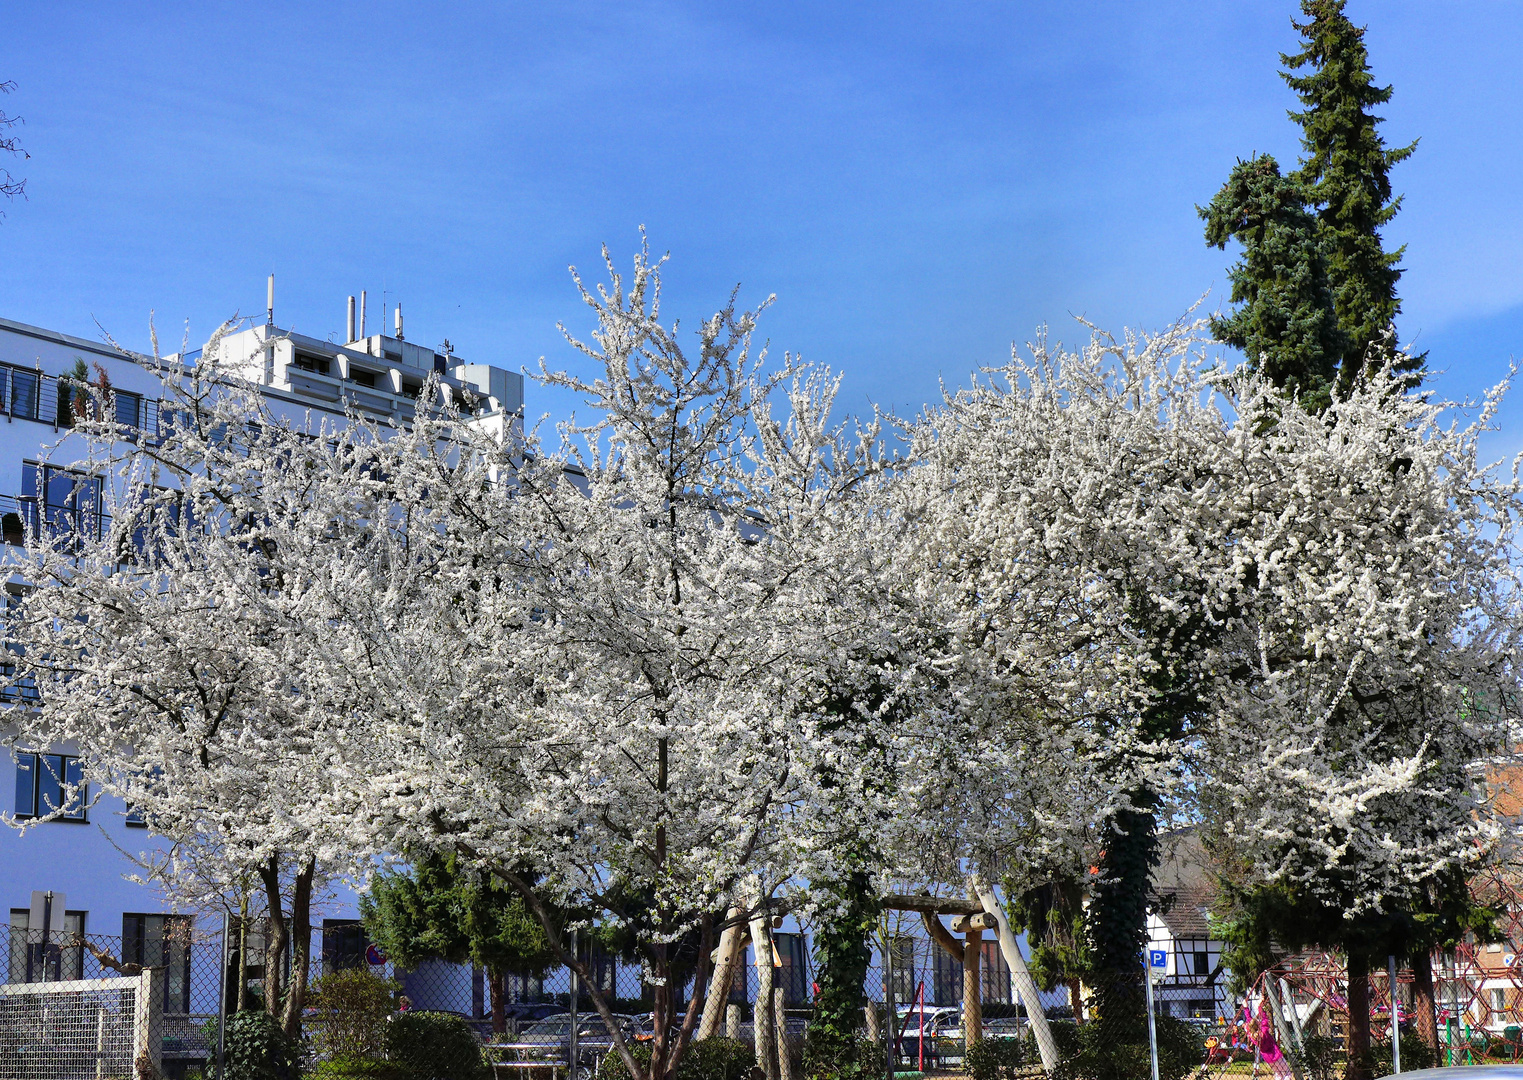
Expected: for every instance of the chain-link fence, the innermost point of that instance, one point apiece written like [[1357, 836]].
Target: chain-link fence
[[154, 1001]]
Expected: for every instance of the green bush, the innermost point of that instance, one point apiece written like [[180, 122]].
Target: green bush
[[255, 1048], [434, 1046], [1095, 1052], [351, 1010], [994, 1059], [829, 1057], [1415, 1054], [711, 1059], [347, 1068]]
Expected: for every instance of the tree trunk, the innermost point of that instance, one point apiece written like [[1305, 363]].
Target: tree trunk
[[1075, 999], [972, 989], [1358, 1017], [243, 952], [301, 949], [497, 986], [761, 944], [1117, 919], [870, 1017], [1424, 1001], [731, 948], [698, 1003], [274, 938]]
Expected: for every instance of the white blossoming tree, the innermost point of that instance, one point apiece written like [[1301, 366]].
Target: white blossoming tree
[[1322, 610], [163, 651]]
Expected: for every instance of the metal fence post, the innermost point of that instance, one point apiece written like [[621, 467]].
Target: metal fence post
[[572, 1054], [222, 997]]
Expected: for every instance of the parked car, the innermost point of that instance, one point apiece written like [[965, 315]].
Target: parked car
[[1005, 1027], [550, 1040]]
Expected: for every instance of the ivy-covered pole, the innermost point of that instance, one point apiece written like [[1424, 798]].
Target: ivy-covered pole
[[849, 911]]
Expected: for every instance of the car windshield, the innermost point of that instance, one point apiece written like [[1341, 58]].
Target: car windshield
[[557, 1025]]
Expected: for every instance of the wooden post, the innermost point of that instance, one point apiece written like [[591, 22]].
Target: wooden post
[[1021, 975], [761, 1026], [732, 1021], [731, 945], [785, 1069], [972, 988]]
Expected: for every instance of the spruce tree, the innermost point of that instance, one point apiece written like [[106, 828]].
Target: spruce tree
[[1345, 173], [1287, 324]]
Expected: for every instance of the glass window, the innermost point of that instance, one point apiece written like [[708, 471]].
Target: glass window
[[60, 501], [161, 941], [45, 781], [129, 409], [994, 973], [60, 786], [30, 959], [792, 972], [23, 393], [344, 942], [26, 785]]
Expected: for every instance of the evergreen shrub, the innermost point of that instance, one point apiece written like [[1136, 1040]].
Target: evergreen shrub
[[255, 1048], [434, 1046]]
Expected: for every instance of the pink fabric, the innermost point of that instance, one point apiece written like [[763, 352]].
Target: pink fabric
[[1261, 1033]]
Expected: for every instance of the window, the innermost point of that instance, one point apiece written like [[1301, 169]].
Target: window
[[49, 782], [902, 953], [60, 501], [344, 942], [129, 409], [317, 364], [1498, 1005], [362, 378], [19, 389], [1202, 963], [61, 957], [10, 689], [946, 979], [792, 972], [161, 941], [994, 973]]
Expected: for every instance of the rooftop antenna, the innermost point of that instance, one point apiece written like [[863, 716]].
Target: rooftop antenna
[[269, 303], [350, 325], [362, 314], [399, 321]]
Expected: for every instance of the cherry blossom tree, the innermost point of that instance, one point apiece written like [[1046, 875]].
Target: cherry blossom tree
[[163, 648], [1305, 627]]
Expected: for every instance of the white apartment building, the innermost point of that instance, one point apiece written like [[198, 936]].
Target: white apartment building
[[84, 859]]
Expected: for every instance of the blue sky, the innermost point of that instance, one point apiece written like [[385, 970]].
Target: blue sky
[[919, 184]]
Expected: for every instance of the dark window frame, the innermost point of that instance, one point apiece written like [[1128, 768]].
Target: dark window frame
[[69, 770]]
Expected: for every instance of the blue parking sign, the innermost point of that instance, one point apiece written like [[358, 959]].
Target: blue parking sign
[[1158, 959]]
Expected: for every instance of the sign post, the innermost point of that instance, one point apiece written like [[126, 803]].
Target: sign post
[[1156, 960]]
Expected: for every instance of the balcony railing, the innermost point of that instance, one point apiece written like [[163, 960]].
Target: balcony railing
[[27, 394]]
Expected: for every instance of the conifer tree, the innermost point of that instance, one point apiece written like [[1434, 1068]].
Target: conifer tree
[[1287, 324], [1345, 173], [438, 911]]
